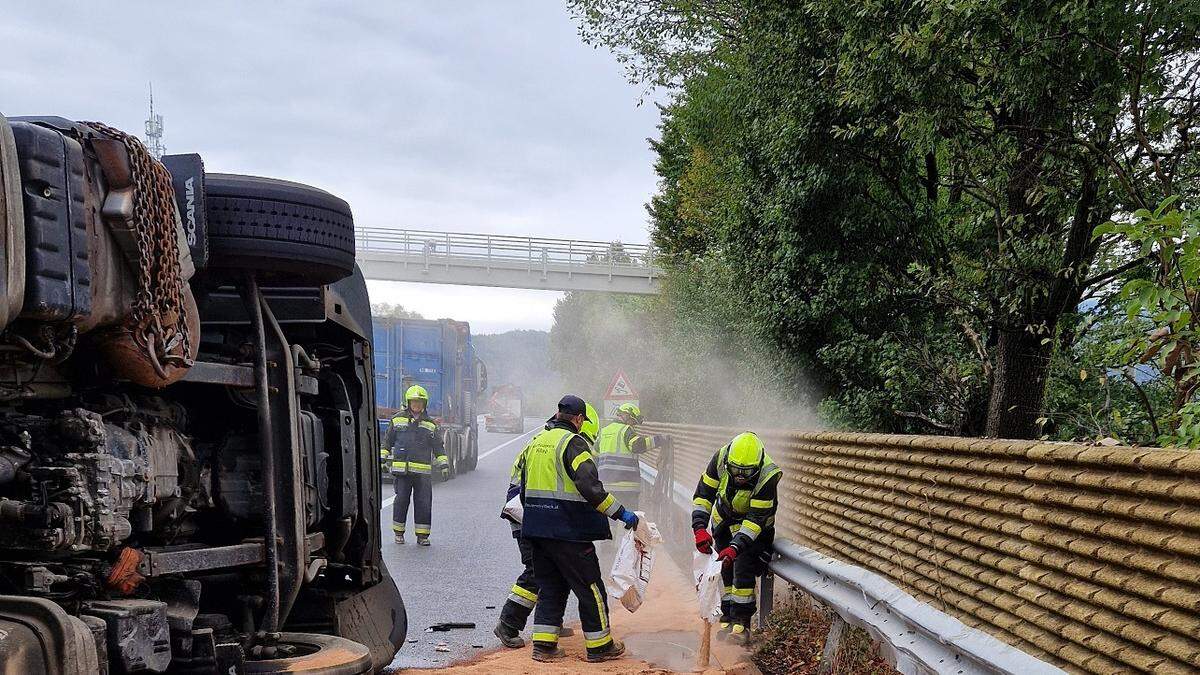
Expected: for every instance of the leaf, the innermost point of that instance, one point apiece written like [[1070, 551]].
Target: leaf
[[1083, 374]]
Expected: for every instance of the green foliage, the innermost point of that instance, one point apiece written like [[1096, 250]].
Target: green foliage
[[387, 310], [897, 199], [1162, 328]]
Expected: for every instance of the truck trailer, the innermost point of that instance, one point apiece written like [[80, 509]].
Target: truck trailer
[[438, 355]]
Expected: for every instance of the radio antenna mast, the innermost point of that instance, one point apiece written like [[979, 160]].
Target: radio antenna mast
[[154, 130]]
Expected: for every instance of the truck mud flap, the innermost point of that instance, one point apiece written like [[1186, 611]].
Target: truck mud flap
[[375, 618], [40, 637]]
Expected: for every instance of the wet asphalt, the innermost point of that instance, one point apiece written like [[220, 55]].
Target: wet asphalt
[[464, 576]]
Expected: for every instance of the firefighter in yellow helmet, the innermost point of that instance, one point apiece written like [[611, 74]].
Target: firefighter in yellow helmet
[[414, 443], [524, 593], [565, 510], [737, 497], [616, 454]]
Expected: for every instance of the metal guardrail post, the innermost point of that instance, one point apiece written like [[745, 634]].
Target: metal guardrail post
[[406, 249], [570, 258], [766, 596], [489, 254], [529, 248], [447, 251]]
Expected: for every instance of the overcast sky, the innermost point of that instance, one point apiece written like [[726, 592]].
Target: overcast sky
[[477, 116]]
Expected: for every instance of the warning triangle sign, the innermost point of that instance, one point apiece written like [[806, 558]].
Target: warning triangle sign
[[620, 388]]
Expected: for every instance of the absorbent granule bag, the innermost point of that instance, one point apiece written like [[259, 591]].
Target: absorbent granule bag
[[706, 571], [633, 564]]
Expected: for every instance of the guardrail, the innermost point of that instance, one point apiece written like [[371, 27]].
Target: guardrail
[[1087, 557], [431, 247]]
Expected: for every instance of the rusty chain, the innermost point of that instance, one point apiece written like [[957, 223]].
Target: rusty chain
[[158, 317]]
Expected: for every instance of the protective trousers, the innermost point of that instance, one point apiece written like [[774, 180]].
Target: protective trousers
[[524, 593], [420, 487], [561, 568], [608, 549], [738, 603]]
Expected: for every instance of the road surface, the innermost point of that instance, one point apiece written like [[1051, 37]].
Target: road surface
[[471, 564]]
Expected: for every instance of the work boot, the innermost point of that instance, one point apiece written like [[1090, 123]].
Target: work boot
[[566, 632], [740, 634], [614, 652], [723, 630], [548, 654], [422, 540], [508, 637], [399, 537]]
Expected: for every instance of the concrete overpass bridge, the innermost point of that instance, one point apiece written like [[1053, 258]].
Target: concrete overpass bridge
[[507, 261]]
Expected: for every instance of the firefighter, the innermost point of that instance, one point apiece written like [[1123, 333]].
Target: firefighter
[[414, 442], [737, 493], [565, 505], [524, 593], [616, 455]]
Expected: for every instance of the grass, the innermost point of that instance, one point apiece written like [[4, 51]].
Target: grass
[[794, 638]]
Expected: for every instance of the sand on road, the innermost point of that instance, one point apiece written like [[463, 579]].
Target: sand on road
[[661, 637]]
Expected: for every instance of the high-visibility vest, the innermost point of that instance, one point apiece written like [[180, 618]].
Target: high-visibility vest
[[554, 509], [412, 447], [734, 508], [619, 470]]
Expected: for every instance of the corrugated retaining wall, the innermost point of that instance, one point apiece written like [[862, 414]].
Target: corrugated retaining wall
[[1085, 556]]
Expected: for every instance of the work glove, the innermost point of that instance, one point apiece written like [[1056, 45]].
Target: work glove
[[704, 541], [727, 555], [629, 518]]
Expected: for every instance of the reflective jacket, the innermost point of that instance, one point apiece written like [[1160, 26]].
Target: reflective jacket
[[616, 456], [747, 512], [560, 489], [415, 444]]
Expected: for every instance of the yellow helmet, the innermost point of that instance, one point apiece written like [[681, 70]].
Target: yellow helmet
[[631, 411], [416, 391], [745, 457], [591, 424]]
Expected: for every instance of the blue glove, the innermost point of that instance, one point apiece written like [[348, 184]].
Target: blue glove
[[628, 517]]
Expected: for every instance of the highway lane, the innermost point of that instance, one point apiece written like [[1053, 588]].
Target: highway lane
[[470, 565]]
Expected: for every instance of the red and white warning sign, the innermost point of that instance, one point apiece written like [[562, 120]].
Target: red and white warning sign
[[619, 391]]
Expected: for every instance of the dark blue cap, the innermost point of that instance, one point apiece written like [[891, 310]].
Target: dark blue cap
[[572, 405]]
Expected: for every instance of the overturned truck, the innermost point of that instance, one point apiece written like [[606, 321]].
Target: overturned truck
[[188, 470]]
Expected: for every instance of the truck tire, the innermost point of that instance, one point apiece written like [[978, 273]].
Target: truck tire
[[450, 444], [317, 655], [472, 448], [297, 231]]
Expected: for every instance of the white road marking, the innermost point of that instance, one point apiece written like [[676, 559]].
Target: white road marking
[[510, 442]]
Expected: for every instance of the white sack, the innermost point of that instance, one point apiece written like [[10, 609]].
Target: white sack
[[514, 509], [706, 571], [632, 566]]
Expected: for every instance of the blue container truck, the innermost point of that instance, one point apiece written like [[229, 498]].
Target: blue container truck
[[438, 355]]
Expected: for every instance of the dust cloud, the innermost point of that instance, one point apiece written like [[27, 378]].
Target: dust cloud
[[682, 371]]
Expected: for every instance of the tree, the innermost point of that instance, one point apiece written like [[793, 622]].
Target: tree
[[1163, 315], [904, 193], [387, 310]]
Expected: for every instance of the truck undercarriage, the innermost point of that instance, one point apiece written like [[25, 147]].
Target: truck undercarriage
[[188, 449]]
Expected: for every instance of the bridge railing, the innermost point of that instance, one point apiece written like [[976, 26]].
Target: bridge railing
[[1087, 557], [536, 253]]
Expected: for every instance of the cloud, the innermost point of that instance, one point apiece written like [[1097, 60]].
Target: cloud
[[468, 116]]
